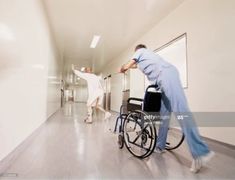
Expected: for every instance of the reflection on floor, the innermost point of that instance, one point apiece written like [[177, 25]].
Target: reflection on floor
[[67, 148]]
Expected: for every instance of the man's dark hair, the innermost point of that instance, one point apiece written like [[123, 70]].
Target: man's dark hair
[[139, 46]]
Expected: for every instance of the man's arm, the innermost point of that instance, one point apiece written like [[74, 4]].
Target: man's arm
[[134, 66], [129, 65]]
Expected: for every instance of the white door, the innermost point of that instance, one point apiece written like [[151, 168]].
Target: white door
[[116, 89]]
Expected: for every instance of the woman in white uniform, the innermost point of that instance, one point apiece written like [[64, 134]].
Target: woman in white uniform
[[95, 92]]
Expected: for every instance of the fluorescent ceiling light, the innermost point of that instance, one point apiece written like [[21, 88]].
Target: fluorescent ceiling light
[[95, 41]]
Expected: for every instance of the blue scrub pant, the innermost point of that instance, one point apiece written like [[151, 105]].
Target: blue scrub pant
[[174, 100]]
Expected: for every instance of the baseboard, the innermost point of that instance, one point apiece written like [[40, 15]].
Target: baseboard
[[230, 146], [10, 158]]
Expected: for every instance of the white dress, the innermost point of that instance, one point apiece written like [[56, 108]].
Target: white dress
[[95, 89]]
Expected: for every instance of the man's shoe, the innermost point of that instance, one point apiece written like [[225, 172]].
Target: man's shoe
[[201, 161], [206, 158], [196, 165]]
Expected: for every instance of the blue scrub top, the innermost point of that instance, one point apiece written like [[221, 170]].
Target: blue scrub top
[[150, 63]]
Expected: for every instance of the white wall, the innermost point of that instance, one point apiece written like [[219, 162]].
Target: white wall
[[27, 59], [210, 27]]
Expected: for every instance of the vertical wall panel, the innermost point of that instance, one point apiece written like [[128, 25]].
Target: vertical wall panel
[[29, 71]]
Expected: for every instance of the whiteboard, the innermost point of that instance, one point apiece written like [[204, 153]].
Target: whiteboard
[[175, 52]]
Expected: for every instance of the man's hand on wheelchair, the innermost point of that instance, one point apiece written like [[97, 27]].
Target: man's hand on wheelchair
[[122, 70]]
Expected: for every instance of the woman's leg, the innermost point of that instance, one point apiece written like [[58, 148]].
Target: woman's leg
[[98, 106], [89, 111]]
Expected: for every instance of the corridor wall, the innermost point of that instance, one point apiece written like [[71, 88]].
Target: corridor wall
[[30, 71]]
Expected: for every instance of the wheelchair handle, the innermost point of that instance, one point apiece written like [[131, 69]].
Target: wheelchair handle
[[134, 99], [155, 86]]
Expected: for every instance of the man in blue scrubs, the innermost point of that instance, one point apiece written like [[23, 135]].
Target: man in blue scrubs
[[166, 76]]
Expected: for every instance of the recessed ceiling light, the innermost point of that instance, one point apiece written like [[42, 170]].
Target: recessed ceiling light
[[95, 41]]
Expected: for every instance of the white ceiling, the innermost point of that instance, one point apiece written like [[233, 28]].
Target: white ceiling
[[118, 22]]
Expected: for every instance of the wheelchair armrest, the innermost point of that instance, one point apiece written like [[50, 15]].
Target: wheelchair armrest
[[134, 99]]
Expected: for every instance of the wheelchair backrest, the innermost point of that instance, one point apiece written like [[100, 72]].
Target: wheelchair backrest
[[152, 99]]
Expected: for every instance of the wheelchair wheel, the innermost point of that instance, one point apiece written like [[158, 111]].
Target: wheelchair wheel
[[120, 141], [139, 134], [175, 138]]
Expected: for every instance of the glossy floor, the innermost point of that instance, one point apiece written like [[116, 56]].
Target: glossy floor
[[67, 148]]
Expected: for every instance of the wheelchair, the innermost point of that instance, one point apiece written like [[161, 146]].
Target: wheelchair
[[138, 122]]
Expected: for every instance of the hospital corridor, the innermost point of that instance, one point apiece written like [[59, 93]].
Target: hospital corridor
[[107, 89]]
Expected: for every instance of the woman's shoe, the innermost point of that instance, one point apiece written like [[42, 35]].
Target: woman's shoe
[[89, 120], [107, 115]]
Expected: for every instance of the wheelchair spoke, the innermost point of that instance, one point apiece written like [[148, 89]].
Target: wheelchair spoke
[[139, 134], [137, 138], [147, 149]]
